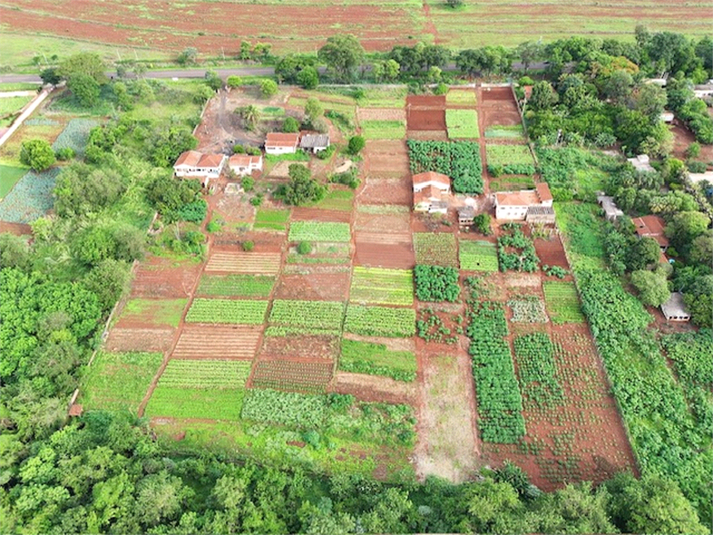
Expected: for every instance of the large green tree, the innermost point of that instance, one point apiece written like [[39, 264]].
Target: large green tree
[[37, 154], [84, 63], [343, 55]]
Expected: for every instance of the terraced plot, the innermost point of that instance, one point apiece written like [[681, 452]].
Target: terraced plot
[[382, 286], [376, 359], [196, 403], [217, 342], [247, 263], [209, 374]]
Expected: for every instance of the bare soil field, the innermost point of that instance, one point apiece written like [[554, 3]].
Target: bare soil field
[[427, 135], [164, 277], [682, 138], [381, 114], [386, 191], [426, 102], [306, 346], [319, 286], [426, 119], [386, 159], [217, 342], [150, 340], [383, 223], [551, 252], [247, 263], [374, 388], [384, 250], [506, 117], [301, 213]]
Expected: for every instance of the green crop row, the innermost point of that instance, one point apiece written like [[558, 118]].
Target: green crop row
[[227, 311], [382, 286], [536, 369], [562, 302], [462, 124], [319, 231], [377, 359], [435, 249], [309, 314], [436, 283], [213, 374], [236, 285], [478, 256], [380, 321], [460, 160], [499, 398], [213, 404], [271, 219]]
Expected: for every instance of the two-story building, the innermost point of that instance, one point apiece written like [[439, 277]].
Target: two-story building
[[526, 205]]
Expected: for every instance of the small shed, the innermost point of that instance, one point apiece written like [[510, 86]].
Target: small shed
[[314, 142], [675, 309], [607, 203], [466, 215], [540, 214]]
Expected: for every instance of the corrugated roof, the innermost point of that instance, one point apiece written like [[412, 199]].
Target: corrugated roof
[[311, 141], [541, 210]]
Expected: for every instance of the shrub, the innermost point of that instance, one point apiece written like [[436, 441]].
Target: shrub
[[248, 183], [214, 226], [238, 149], [234, 81], [290, 125], [436, 283], [304, 247], [257, 200], [481, 222], [193, 212], [356, 144], [64, 154], [440, 89], [37, 154], [268, 88], [327, 153], [248, 246]]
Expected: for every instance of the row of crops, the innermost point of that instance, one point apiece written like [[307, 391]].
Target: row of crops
[[509, 160], [382, 286], [319, 231], [460, 160], [236, 285], [537, 372], [478, 256]]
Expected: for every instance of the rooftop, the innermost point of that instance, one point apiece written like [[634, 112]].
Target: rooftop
[[431, 176], [651, 226], [675, 307], [608, 205], [517, 198], [244, 160], [311, 141], [641, 163], [543, 192], [189, 158], [210, 160], [428, 194], [280, 139], [541, 210]]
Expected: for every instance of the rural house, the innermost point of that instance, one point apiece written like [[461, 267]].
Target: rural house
[[466, 215], [611, 212], [245, 164], [675, 309], [195, 164], [652, 226], [534, 206], [314, 142], [430, 192], [279, 143]]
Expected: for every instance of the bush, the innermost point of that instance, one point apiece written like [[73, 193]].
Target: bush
[[304, 247], [268, 88], [248, 246], [193, 212], [356, 144], [348, 178], [481, 222], [248, 183], [37, 154], [327, 153], [696, 167], [253, 151], [555, 271], [257, 200], [290, 125], [238, 149], [234, 81], [440, 89], [214, 226], [64, 154], [526, 80]]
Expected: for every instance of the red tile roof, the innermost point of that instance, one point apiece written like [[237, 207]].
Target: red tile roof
[[543, 192], [189, 158], [243, 160], [651, 226], [428, 194], [211, 160], [431, 176], [279, 139], [517, 198]]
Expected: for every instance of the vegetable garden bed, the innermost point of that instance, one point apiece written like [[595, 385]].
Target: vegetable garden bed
[[435, 249], [380, 321], [382, 286], [227, 311], [562, 302], [462, 124], [311, 315], [320, 231], [293, 376], [377, 359], [460, 160], [509, 160], [267, 219], [478, 256], [236, 285]]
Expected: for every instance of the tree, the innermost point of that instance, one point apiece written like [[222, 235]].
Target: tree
[[250, 114], [529, 52], [650, 100], [693, 151], [543, 96], [80, 189], [313, 109], [308, 78], [234, 81], [268, 88], [37, 154], [685, 227], [356, 144], [84, 63], [301, 188], [618, 86], [85, 89], [290, 125], [50, 76], [14, 251], [652, 286], [343, 54], [189, 55], [702, 249], [455, 3], [213, 80]]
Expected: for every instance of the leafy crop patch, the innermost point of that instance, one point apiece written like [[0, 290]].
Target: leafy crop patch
[[236, 285], [562, 302], [382, 286], [436, 283], [435, 249], [377, 359], [460, 160], [380, 321], [478, 256], [227, 311], [319, 231]]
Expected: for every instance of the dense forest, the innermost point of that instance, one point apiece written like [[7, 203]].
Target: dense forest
[[106, 472]]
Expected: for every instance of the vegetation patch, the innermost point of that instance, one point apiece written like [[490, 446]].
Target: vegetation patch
[[285, 408], [308, 314], [293, 376], [119, 381], [528, 310], [30, 198], [9, 176], [319, 231], [462, 124], [374, 129], [227, 311], [537, 371], [509, 160], [460, 160], [155, 311], [514, 131], [380, 321], [377, 359], [266, 219], [198, 403], [337, 199], [236, 285], [478, 256], [205, 374], [435, 249], [562, 302], [463, 97], [75, 135], [382, 286], [436, 283], [516, 251]]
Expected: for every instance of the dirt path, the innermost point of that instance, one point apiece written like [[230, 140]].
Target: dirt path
[[429, 26], [448, 446]]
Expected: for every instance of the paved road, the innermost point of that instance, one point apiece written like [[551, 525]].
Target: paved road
[[199, 73]]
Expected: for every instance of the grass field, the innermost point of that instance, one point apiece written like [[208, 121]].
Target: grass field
[[435, 249], [271, 219], [383, 129], [462, 97], [9, 175], [383, 98], [337, 199], [478, 256], [505, 132], [182, 402], [160, 311], [462, 124]]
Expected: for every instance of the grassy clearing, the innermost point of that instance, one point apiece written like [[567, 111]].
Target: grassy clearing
[[319, 231], [181, 402], [322, 315], [512, 183], [380, 321], [505, 132], [435, 249], [384, 98], [337, 199], [462, 124], [377, 359], [18, 86], [12, 105], [383, 129], [478, 256], [271, 219], [562, 302], [155, 311], [227, 311], [461, 97], [508, 155], [382, 286], [9, 175], [119, 381], [236, 285]]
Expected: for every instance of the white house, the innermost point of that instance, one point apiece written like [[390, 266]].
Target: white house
[[607, 203], [675, 309], [703, 91], [514, 205], [667, 117], [280, 143], [245, 164], [314, 142], [700, 177], [430, 192], [194, 164]]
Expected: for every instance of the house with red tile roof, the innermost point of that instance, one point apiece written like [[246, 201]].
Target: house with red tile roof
[[652, 226], [195, 164], [281, 143], [245, 164], [430, 192], [520, 205]]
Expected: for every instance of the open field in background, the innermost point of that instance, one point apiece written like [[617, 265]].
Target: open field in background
[[145, 30]]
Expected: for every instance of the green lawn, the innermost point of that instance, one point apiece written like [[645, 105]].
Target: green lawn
[[337, 199], [508, 132], [9, 175], [271, 219]]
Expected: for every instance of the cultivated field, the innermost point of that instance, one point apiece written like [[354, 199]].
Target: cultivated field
[[212, 27]]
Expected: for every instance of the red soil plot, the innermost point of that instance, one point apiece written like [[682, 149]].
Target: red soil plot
[[426, 101], [384, 250], [164, 277], [383, 223], [386, 191], [425, 119], [301, 346], [217, 342], [263, 242], [373, 388], [386, 159], [427, 135], [149, 340], [315, 214], [242, 262], [507, 117], [490, 94], [584, 438], [309, 377], [551, 252], [320, 286]]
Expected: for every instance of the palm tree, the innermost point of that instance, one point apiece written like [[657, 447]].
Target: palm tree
[[251, 116]]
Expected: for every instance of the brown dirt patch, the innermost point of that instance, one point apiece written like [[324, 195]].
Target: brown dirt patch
[[316, 214], [428, 135], [426, 119], [682, 138], [127, 339], [384, 250], [307, 346], [381, 114], [500, 117], [18, 229], [314, 286], [386, 223], [234, 208], [217, 342], [448, 444], [386, 159], [164, 277], [241, 262], [264, 241], [551, 252], [374, 388], [386, 191], [489, 94], [426, 101]]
